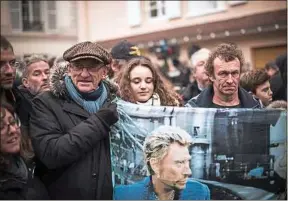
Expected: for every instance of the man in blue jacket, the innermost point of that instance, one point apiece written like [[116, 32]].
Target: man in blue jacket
[[168, 160]]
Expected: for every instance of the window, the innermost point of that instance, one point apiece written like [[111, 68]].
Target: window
[[197, 8], [32, 15], [15, 11], [157, 9], [51, 15], [31, 18]]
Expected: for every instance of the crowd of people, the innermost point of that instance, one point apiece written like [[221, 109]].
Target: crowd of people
[[55, 123]]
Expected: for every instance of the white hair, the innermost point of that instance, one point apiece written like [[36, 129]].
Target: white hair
[[157, 143], [200, 55]]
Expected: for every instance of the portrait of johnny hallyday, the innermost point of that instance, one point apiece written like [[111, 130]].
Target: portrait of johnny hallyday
[[166, 154]]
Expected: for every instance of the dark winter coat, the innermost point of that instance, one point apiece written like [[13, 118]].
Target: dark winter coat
[[20, 104], [17, 181], [205, 98], [190, 91], [71, 144], [13, 179]]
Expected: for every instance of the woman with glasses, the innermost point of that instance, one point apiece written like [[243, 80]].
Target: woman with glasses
[[140, 83], [16, 172]]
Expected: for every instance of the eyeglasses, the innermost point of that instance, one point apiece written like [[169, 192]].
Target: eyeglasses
[[91, 68], [12, 63], [14, 122]]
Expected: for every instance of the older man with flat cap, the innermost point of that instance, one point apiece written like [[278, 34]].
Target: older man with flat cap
[[70, 126]]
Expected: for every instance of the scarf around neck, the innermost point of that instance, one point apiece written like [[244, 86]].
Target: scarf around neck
[[153, 101], [91, 102]]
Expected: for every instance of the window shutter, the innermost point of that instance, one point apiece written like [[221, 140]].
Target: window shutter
[[51, 15], [16, 15], [134, 13], [173, 9]]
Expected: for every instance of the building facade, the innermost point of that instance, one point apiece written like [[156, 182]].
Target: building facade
[[50, 27], [258, 27], [42, 27]]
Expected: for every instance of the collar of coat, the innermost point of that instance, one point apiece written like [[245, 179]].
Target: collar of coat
[[57, 83], [204, 99]]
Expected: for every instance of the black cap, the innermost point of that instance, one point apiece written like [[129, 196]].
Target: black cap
[[125, 50]]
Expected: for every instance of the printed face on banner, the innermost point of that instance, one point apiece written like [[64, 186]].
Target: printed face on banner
[[235, 154], [174, 169]]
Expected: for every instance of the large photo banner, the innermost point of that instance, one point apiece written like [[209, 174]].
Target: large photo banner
[[235, 153]]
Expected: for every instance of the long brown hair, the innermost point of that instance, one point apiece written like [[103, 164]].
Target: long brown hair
[[26, 151], [167, 97]]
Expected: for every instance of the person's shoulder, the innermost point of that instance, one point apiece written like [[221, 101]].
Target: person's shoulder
[[45, 95], [203, 99], [192, 102], [132, 191], [248, 100], [47, 98], [195, 190]]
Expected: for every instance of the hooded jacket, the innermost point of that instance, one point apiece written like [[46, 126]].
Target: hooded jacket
[[204, 99], [72, 145]]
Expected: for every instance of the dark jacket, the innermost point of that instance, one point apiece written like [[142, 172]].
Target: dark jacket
[[143, 190], [23, 105], [15, 98], [205, 98], [71, 144], [278, 87], [13, 179], [281, 92], [26, 94], [17, 181], [190, 91]]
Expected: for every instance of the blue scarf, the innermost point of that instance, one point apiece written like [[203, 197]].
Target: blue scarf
[[91, 102]]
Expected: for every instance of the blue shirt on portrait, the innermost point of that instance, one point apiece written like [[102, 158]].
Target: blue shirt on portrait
[[143, 190]]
